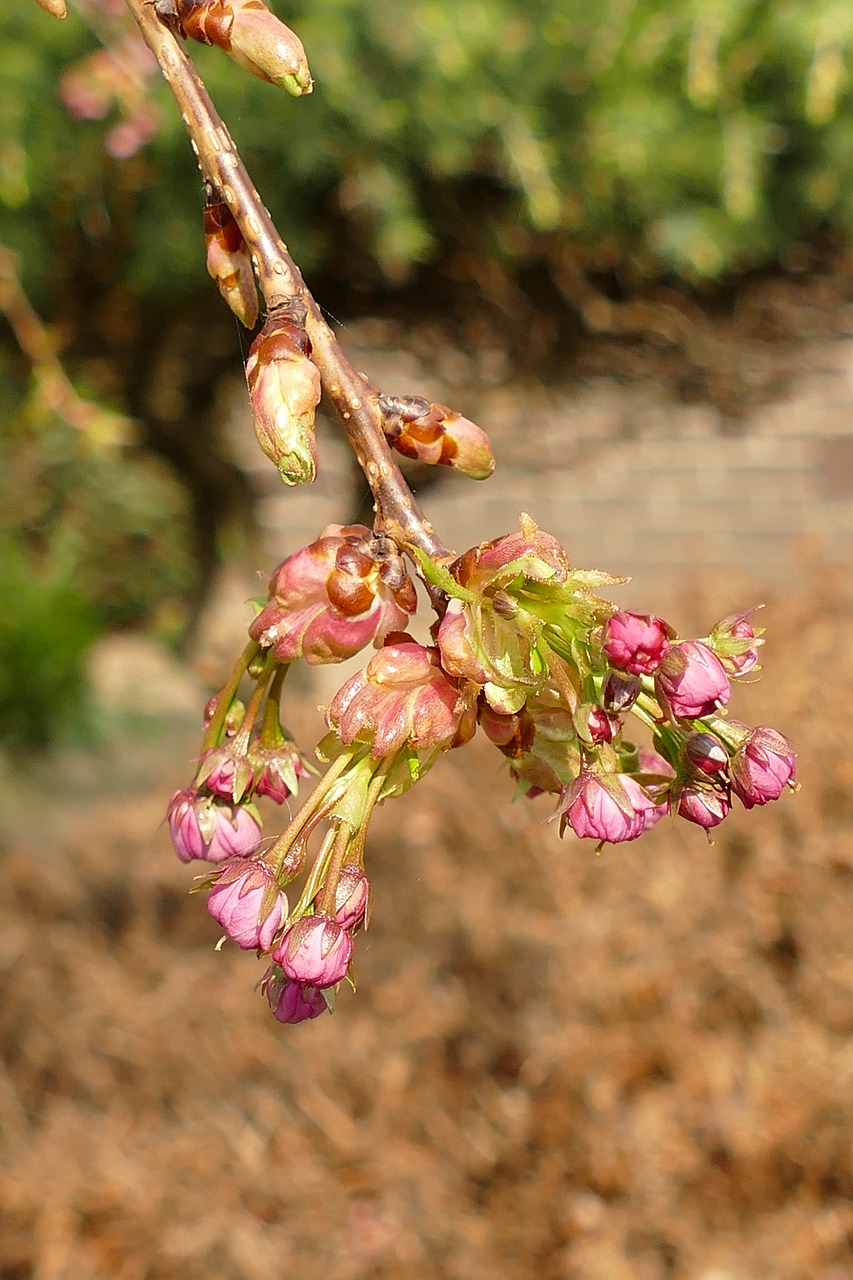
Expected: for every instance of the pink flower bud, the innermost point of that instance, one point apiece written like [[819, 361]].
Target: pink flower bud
[[434, 434], [707, 753], [735, 642], [202, 827], [278, 770], [636, 642], [291, 1002], [690, 681], [334, 596], [252, 36], [402, 698], [247, 902], [706, 806], [352, 896], [597, 724], [530, 553], [284, 390], [315, 951], [226, 773], [228, 259], [607, 807], [763, 766]]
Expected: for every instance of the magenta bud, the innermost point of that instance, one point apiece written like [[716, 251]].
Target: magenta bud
[[619, 692], [315, 951], [278, 770], [599, 725], [736, 642], [608, 807], [203, 827], [636, 642], [352, 896], [246, 901], [340, 593], [690, 681], [291, 1002], [705, 806], [706, 753], [402, 698], [763, 766], [226, 773]]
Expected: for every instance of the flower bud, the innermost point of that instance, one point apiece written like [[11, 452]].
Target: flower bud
[[402, 698], [56, 8], [228, 259], [434, 434], [352, 896], [619, 692], [635, 642], [735, 642], [278, 770], [690, 682], [763, 766], [225, 772], [246, 901], [252, 36], [334, 596], [610, 808], [706, 753], [315, 951], [706, 806], [291, 1002], [595, 724], [202, 827], [284, 390]]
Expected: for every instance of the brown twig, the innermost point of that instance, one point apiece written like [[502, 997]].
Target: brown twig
[[354, 396]]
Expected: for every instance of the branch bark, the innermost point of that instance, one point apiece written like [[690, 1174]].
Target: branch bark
[[355, 398]]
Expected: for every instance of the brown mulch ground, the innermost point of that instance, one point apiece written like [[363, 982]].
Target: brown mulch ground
[[626, 1067]]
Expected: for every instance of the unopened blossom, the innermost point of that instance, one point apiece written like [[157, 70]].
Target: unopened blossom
[[736, 642], [402, 698], [284, 391], [352, 896], [343, 591], [205, 827], [434, 434], [635, 642], [706, 806], [247, 902], [277, 771], [607, 807], [226, 772], [252, 36], [690, 681], [315, 951], [619, 691], [228, 259], [292, 1002], [706, 753], [597, 724], [763, 766]]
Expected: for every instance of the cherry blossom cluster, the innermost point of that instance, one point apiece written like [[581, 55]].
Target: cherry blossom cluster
[[524, 648]]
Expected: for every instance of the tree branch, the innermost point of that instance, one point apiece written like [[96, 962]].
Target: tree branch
[[353, 395]]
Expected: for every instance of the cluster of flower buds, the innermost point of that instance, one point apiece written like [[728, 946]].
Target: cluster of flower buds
[[434, 434], [527, 649], [228, 258], [284, 391], [252, 36]]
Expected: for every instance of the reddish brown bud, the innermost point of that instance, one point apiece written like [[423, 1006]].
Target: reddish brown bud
[[253, 36], [434, 434], [228, 259]]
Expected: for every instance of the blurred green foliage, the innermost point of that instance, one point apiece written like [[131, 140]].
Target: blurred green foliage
[[691, 136]]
